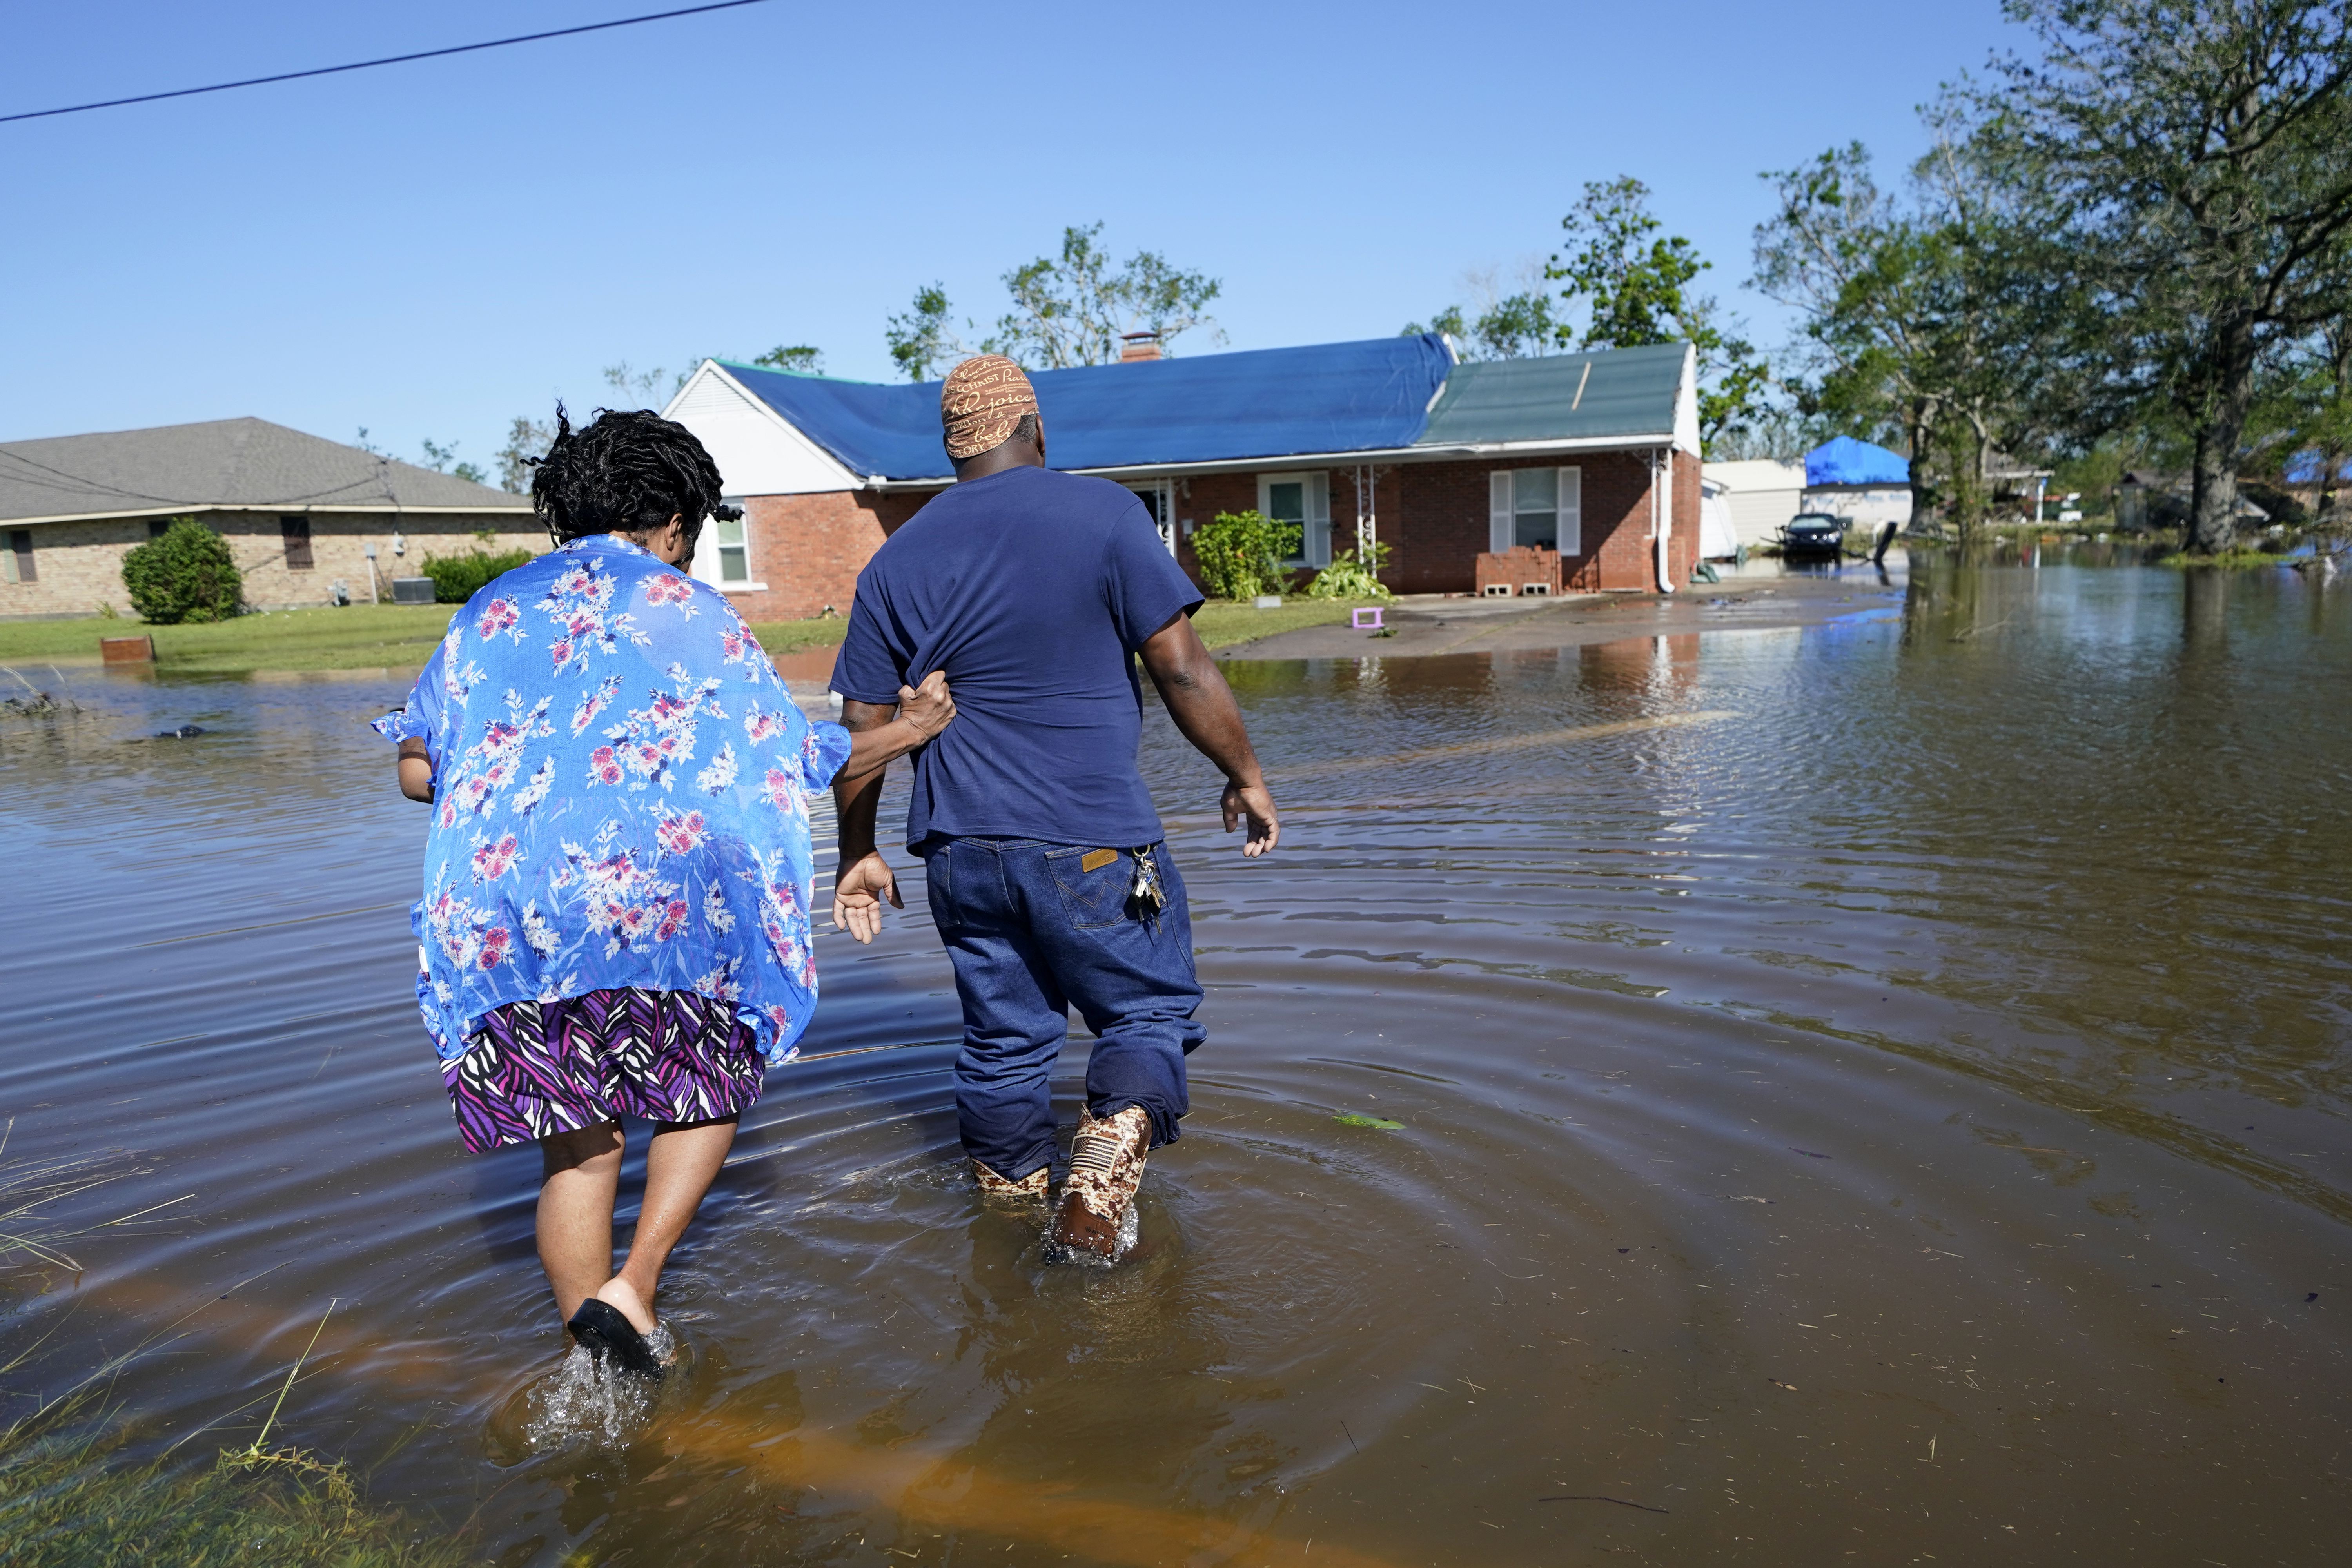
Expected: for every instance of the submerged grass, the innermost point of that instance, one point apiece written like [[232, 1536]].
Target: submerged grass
[[67, 1502], [29, 1188], [70, 1498], [2231, 560]]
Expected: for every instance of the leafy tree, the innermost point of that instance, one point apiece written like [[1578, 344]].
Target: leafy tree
[[800, 359], [1779, 430], [185, 573], [2326, 425], [644, 386], [1636, 290], [1240, 554], [1074, 311], [1517, 326], [1922, 317], [527, 442], [1070, 311], [924, 339], [438, 459], [1448, 321], [2191, 163], [2300, 430], [1514, 320]]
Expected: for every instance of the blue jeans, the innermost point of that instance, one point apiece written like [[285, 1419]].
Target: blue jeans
[[1032, 931]]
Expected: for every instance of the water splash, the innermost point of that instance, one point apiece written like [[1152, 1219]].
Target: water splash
[[586, 1401], [1124, 1242]]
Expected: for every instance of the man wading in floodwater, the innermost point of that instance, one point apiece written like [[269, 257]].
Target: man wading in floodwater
[[1049, 881]]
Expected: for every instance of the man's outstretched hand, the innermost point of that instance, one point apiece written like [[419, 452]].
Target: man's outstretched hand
[[1256, 803], [858, 889]]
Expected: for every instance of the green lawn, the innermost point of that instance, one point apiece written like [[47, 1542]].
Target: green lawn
[[401, 636], [361, 636], [792, 636], [1220, 623], [1224, 622]]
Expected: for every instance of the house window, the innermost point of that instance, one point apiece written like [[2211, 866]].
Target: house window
[[20, 557], [157, 527], [1304, 500], [734, 548], [1542, 507], [1157, 500], [297, 532]]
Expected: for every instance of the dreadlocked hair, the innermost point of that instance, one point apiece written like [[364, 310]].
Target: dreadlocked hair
[[624, 473]]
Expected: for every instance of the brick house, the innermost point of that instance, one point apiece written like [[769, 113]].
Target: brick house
[[298, 513], [1560, 473]]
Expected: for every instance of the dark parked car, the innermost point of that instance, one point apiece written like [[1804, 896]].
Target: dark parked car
[[1815, 533]]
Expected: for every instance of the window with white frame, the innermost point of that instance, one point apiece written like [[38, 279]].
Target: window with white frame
[[1159, 498], [732, 543], [1305, 501], [1541, 507]]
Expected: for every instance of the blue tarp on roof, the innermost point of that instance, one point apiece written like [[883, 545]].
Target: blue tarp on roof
[[1846, 461], [2304, 469], [1267, 403]]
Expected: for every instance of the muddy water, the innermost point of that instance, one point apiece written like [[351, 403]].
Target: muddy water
[[1868, 1092]]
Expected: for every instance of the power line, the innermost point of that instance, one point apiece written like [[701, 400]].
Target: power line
[[387, 60]]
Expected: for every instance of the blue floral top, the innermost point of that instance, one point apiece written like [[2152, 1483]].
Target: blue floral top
[[620, 786]]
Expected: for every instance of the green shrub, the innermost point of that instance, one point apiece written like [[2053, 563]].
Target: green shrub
[[1240, 554], [185, 573], [1349, 578], [457, 578]]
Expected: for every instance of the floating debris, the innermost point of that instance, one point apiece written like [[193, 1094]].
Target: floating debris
[[1350, 1118], [40, 704], [184, 733]]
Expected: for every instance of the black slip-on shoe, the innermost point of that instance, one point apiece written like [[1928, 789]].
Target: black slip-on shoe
[[609, 1335]]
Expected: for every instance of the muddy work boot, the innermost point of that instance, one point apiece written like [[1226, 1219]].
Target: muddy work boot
[[1105, 1167], [1030, 1188]]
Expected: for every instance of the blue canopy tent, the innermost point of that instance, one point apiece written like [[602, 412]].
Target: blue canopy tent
[[1846, 461]]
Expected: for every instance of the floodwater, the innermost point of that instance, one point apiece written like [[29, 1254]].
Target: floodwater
[[1870, 1092]]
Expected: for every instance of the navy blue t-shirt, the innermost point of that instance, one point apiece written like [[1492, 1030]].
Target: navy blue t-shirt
[[1031, 590]]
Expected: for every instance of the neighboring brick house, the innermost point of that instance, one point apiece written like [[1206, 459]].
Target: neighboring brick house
[[298, 513], [1593, 455]]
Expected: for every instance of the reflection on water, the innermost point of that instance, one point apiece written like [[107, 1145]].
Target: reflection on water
[[1873, 1089]]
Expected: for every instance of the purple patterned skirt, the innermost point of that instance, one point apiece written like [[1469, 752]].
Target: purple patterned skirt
[[536, 1068]]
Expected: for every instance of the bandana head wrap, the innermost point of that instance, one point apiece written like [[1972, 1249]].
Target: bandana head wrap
[[983, 399]]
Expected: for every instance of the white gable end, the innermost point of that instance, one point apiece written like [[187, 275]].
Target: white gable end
[[1686, 433], [758, 451]]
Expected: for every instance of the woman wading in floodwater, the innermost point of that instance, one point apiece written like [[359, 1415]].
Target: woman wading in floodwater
[[616, 880]]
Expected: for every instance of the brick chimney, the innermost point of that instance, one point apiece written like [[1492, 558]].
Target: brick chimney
[[1137, 346]]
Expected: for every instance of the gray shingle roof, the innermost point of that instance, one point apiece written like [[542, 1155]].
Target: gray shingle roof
[[220, 463], [1559, 397]]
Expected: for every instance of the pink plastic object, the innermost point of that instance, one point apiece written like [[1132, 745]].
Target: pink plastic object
[[1365, 620]]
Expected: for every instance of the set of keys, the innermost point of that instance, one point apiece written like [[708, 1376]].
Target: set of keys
[[1147, 896]]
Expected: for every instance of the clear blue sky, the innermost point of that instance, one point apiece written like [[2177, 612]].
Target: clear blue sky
[[430, 249]]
